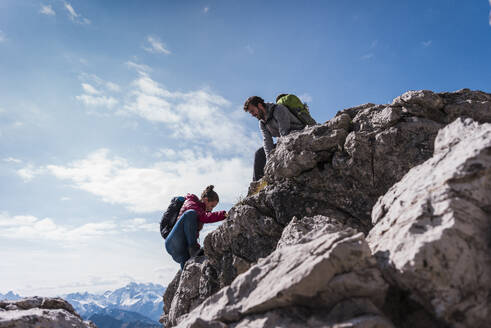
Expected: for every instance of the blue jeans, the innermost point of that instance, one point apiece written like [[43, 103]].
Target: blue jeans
[[182, 236]]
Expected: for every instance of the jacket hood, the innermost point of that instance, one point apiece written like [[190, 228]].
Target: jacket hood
[[192, 197]]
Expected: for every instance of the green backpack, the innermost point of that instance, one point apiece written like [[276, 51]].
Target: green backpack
[[296, 107]]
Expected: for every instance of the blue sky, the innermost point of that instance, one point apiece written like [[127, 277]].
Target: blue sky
[[110, 108]]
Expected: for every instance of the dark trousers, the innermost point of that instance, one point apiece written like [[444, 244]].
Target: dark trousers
[[182, 236], [259, 163]]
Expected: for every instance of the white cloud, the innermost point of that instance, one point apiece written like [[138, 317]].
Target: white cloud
[[90, 89], [368, 56], [97, 97], [71, 12], [156, 46], [25, 113], [47, 10], [113, 87], [148, 189], [206, 9], [74, 16], [29, 172], [305, 98], [99, 82], [196, 116], [163, 273], [140, 68], [426, 43], [97, 101], [29, 227], [150, 101], [373, 44], [94, 267], [139, 224], [32, 228], [12, 160], [167, 152], [64, 198], [3, 37]]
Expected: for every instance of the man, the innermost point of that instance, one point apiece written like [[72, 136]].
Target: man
[[274, 121]]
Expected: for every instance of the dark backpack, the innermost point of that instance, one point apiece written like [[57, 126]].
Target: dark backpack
[[296, 107], [169, 218]]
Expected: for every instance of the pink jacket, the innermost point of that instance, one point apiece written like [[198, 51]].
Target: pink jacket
[[193, 203]]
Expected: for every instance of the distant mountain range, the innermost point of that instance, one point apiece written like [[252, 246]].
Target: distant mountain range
[[10, 296], [132, 306], [115, 318], [145, 299]]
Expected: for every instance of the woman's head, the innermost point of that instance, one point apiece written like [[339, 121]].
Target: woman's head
[[210, 198]]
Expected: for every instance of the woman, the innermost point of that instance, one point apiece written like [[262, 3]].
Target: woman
[[182, 242]]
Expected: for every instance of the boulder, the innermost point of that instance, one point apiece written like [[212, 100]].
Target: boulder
[[40, 312], [432, 230], [169, 294], [246, 236], [189, 288], [332, 278]]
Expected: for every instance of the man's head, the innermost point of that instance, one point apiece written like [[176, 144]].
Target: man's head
[[255, 106]]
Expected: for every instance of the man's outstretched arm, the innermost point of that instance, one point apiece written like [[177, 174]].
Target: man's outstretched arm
[[267, 139]]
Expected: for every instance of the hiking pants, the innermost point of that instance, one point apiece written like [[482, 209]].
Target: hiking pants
[[259, 163], [182, 236]]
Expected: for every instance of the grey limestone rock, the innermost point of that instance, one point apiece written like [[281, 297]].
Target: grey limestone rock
[[357, 156], [304, 230], [247, 235], [432, 232], [314, 275], [299, 152], [169, 294], [324, 181], [189, 288], [40, 312], [353, 316]]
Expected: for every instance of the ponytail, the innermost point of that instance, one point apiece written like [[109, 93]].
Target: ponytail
[[210, 194]]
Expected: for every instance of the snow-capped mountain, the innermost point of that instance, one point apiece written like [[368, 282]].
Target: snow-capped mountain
[[87, 304], [10, 296], [145, 299]]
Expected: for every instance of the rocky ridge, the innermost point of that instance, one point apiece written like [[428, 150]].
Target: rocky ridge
[[379, 217], [40, 312]]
